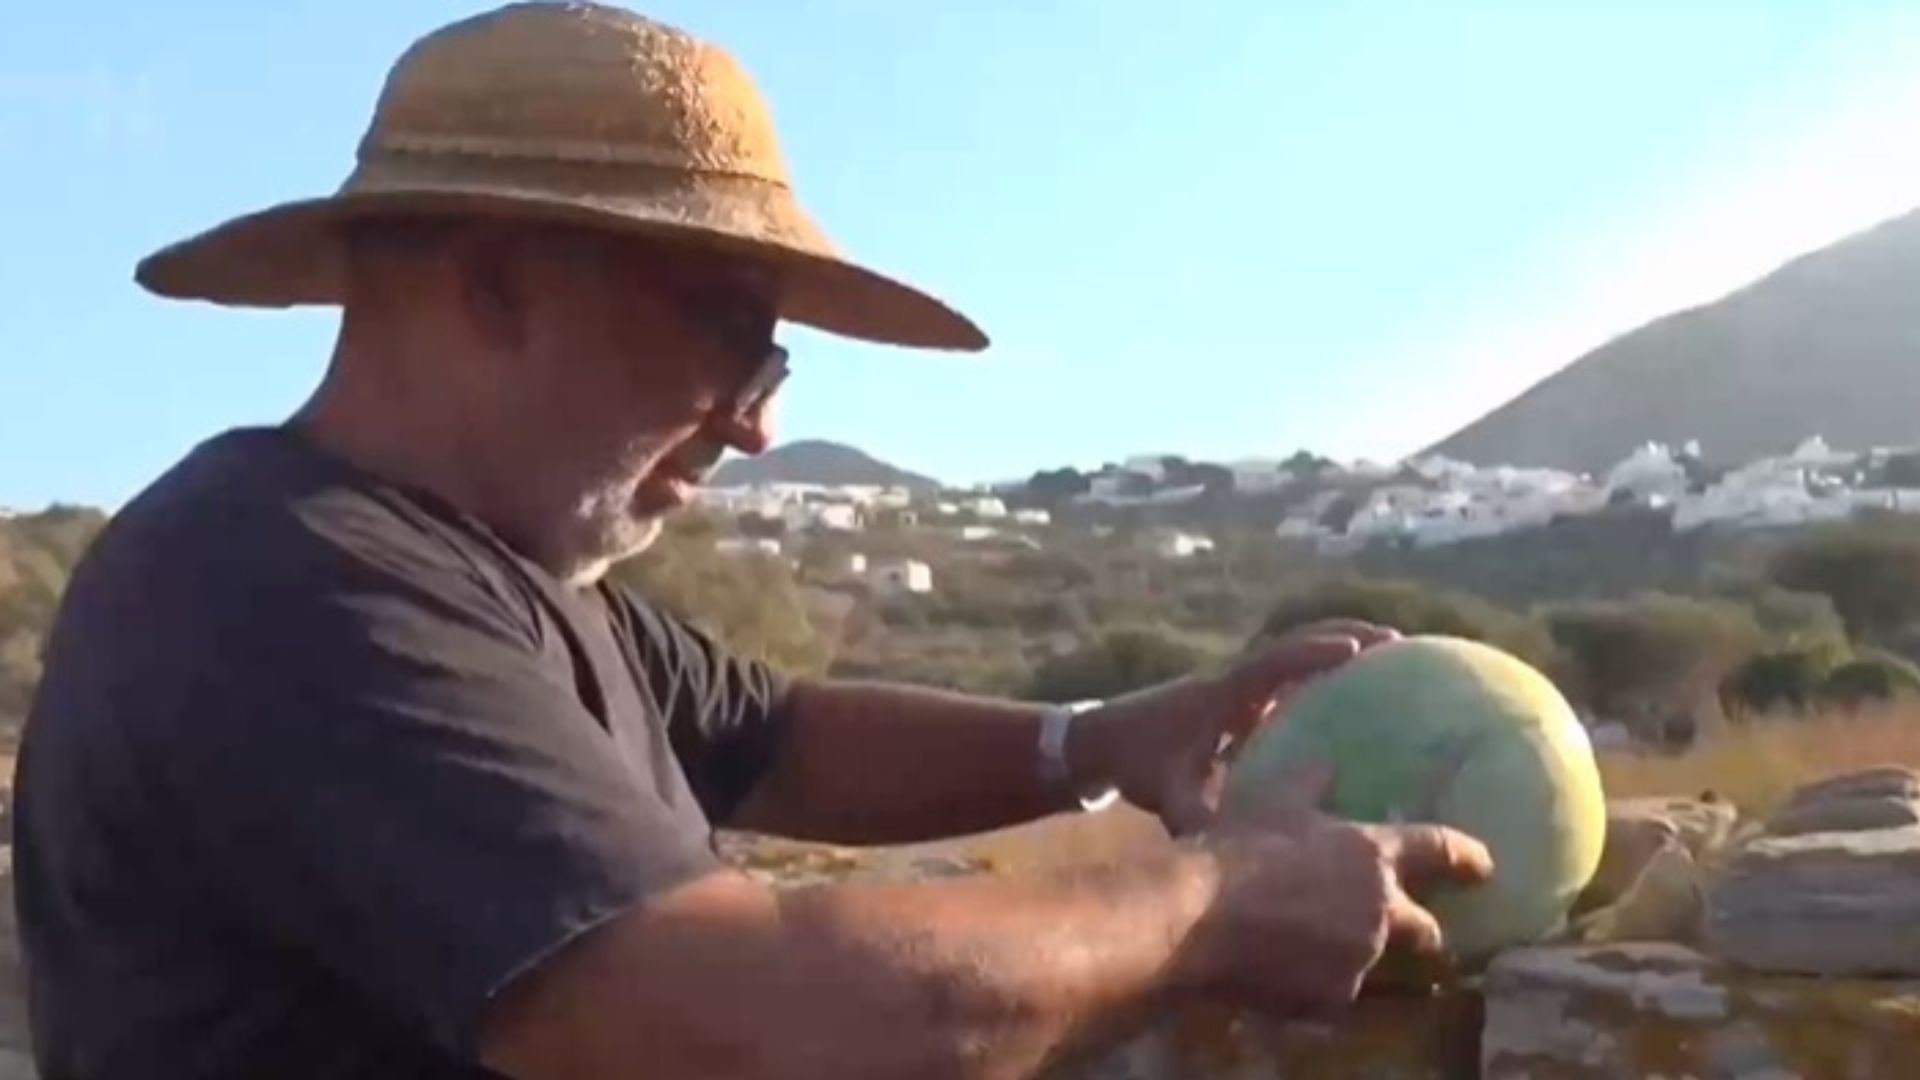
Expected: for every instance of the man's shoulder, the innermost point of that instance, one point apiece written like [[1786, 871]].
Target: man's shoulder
[[254, 523]]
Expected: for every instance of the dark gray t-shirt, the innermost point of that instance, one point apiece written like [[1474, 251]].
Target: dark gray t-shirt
[[318, 764]]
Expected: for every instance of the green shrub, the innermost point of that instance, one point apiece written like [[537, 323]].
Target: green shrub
[[1413, 608], [1641, 660], [1779, 679], [1870, 569], [1119, 660], [1871, 679]]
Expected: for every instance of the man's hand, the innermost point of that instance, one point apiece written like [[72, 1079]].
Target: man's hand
[[1164, 746], [1305, 905]]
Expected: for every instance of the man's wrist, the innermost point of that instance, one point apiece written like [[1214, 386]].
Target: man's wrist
[[1063, 759]]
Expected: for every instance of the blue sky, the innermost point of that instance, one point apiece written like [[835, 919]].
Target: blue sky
[[1222, 228]]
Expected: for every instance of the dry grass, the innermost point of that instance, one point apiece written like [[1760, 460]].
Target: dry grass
[[1756, 765]]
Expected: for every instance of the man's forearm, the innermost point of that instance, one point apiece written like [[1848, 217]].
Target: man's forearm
[[977, 977], [883, 763]]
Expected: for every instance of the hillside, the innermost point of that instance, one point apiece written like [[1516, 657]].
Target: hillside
[[815, 461], [1828, 344]]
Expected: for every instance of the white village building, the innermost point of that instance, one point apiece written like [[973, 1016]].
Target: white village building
[[902, 576]]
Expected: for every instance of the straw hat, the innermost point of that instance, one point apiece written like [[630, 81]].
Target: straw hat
[[567, 113]]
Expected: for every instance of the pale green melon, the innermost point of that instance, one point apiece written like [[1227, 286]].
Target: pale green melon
[[1451, 731]]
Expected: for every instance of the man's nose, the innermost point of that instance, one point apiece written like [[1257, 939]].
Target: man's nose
[[750, 432]]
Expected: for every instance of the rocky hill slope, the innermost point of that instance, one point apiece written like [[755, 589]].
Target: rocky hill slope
[[816, 461], [1828, 344]]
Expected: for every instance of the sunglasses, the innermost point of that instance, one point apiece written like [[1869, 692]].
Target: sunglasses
[[766, 379], [744, 326]]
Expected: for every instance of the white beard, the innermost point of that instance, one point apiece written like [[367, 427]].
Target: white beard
[[604, 526]]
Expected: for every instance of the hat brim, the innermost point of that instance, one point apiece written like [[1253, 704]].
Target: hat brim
[[293, 254]]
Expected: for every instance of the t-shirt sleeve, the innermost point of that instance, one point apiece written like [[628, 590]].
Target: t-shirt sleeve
[[379, 773], [726, 713]]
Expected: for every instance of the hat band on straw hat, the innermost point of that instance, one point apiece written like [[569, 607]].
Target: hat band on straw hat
[[570, 151], [746, 208]]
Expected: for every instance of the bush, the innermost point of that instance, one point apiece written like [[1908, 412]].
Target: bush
[[1119, 660], [1777, 679], [1869, 680], [1794, 620], [751, 602], [1413, 608], [1644, 660], [1870, 569], [37, 555]]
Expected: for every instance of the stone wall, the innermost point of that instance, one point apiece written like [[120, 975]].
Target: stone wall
[[1706, 947], [1620, 1012]]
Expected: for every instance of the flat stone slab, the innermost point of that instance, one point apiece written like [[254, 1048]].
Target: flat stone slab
[[1830, 903], [1880, 781], [1627, 1012]]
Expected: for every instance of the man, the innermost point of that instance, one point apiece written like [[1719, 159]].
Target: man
[[349, 761]]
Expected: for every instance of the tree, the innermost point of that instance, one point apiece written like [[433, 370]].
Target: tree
[[1412, 608], [1050, 486], [1870, 679], [1119, 660], [750, 601], [1640, 660], [1306, 464], [1788, 679], [1869, 569], [37, 555]]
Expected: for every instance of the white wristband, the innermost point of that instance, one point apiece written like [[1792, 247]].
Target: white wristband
[[1053, 756]]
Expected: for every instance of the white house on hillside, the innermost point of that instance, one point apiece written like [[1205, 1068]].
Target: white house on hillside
[[1178, 544], [902, 576], [830, 517], [1650, 472], [743, 545], [1259, 476]]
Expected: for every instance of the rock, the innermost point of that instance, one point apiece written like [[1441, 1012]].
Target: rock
[[1704, 825], [1631, 842], [1843, 813], [1833, 903], [1635, 1011], [1882, 781], [1665, 903], [1882, 797], [1640, 829]]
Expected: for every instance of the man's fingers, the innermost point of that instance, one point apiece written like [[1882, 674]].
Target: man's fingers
[[1261, 678], [1436, 855], [1414, 928]]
